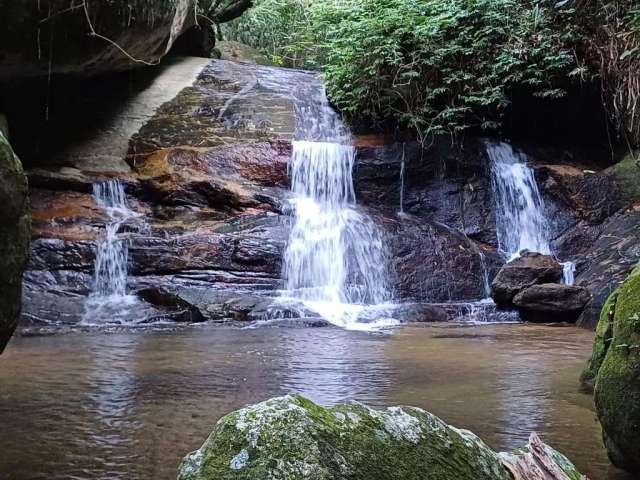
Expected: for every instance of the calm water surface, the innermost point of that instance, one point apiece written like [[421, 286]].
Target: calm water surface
[[129, 405]]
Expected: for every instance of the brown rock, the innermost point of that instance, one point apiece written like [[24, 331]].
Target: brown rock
[[551, 302], [529, 269]]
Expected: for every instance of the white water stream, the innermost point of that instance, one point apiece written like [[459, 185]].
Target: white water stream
[[335, 262], [520, 221], [109, 301]]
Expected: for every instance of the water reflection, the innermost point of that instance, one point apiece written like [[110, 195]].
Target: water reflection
[[110, 405], [334, 366], [129, 405], [522, 391]]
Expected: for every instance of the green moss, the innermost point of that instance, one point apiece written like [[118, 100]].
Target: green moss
[[617, 389], [626, 174], [15, 232], [604, 332], [292, 438]]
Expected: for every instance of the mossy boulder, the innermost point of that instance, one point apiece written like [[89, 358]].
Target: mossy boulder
[[626, 176], [15, 233], [291, 438], [604, 332], [616, 366]]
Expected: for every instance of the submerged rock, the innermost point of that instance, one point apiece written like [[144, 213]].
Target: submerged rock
[[15, 231], [529, 269], [616, 366], [551, 302], [292, 438]]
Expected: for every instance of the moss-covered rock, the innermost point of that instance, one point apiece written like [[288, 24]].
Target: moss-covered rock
[[15, 233], [617, 387], [291, 438], [626, 175], [604, 332]]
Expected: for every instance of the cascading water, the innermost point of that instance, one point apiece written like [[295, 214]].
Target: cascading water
[[108, 300], [520, 221], [335, 261], [401, 211]]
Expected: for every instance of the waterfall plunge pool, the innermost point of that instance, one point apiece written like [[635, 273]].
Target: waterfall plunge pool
[[128, 404]]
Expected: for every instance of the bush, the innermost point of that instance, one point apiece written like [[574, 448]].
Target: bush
[[441, 67]]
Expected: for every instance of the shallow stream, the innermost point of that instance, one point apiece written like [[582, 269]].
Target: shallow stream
[[129, 404]]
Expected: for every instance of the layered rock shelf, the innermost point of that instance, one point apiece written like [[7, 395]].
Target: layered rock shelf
[[203, 151]]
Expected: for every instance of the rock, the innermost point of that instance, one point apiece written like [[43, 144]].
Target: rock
[[176, 308], [292, 438], [445, 184], [617, 387], [529, 269], [420, 313], [604, 334], [550, 302], [239, 52], [91, 37], [434, 263], [625, 176], [607, 261], [15, 231]]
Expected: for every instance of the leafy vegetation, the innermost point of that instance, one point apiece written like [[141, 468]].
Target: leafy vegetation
[[611, 37], [441, 67]]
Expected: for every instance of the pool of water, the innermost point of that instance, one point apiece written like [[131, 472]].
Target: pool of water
[[130, 404]]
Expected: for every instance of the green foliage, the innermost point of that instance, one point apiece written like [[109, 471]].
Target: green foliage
[[441, 67], [430, 65], [281, 29]]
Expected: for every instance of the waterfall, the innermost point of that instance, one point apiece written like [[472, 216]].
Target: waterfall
[[486, 284], [335, 261], [109, 293], [568, 273], [520, 221]]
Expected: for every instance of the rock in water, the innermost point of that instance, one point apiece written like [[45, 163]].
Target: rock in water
[[15, 233], [291, 438], [551, 302], [616, 366], [523, 272]]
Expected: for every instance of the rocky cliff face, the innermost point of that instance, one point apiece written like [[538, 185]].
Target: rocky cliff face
[[93, 36], [15, 226], [203, 152]]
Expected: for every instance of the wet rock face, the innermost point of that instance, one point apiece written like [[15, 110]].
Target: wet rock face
[[615, 365], [612, 251], [434, 263], [291, 437], [205, 165], [208, 174], [15, 226], [551, 302], [445, 184], [521, 273]]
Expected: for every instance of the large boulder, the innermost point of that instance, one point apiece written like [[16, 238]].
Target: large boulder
[[616, 365], [529, 269], [15, 232], [551, 302], [604, 332], [292, 438], [94, 36]]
